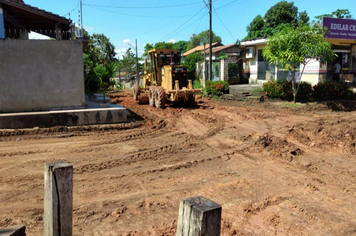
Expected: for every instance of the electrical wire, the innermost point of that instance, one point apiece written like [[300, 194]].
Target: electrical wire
[[72, 10], [229, 3], [183, 24], [147, 7], [201, 19], [223, 24], [136, 15]]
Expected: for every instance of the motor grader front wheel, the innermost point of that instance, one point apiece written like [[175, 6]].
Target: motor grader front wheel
[[191, 99], [160, 97], [136, 92], [151, 95]]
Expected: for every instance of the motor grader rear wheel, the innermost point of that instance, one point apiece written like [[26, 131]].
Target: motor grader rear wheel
[[136, 92], [151, 95], [160, 97]]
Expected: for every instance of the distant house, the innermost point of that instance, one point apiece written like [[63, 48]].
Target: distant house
[[341, 36], [201, 48], [227, 64], [38, 74]]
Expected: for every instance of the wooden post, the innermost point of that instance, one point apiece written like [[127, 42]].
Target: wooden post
[[58, 200], [199, 216]]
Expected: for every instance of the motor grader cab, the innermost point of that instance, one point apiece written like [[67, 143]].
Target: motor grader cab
[[164, 79]]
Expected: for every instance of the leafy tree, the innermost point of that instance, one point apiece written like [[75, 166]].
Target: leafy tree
[[128, 62], [277, 17], [181, 46], [303, 17], [282, 13], [202, 38], [99, 51], [190, 63], [158, 45], [255, 28], [148, 47], [163, 45], [103, 75], [292, 47], [339, 13]]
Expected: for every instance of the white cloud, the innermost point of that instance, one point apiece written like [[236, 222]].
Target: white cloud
[[121, 50], [89, 28], [171, 41]]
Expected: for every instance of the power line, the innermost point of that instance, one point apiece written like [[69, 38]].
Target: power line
[[201, 19], [223, 23], [136, 15], [229, 3], [187, 26], [183, 24], [72, 10], [147, 7], [206, 4]]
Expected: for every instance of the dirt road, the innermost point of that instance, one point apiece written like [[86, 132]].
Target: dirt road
[[275, 170]]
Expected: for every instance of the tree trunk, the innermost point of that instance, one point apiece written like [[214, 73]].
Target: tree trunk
[[294, 90]]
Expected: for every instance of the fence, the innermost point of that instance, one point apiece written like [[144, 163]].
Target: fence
[[198, 216], [24, 34]]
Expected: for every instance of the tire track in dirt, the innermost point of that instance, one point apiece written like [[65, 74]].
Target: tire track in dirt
[[150, 154], [64, 131]]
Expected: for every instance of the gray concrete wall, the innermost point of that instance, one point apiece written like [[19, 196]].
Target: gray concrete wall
[[39, 75]]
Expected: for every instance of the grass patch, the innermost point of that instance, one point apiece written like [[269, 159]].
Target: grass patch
[[293, 105], [258, 92]]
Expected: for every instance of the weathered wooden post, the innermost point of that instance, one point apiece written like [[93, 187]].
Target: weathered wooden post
[[198, 216], [58, 200]]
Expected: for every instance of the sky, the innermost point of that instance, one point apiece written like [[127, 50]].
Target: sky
[[151, 21]]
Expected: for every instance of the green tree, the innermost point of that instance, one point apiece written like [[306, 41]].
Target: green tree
[[292, 47], [202, 38], [148, 47], [128, 62], [255, 28], [99, 51], [103, 74], [277, 17], [181, 46], [282, 13], [339, 13], [190, 63], [163, 45]]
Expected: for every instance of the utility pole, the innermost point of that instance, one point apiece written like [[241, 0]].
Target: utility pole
[[210, 42], [137, 72], [205, 66], [80, 19]]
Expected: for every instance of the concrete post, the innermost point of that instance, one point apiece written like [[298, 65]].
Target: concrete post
[[13, 231], [2, 24], [199, 216], [58, 199], [58, 31]]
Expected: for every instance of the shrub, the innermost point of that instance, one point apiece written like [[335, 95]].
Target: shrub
[[278, 89], [283, 90], [305, 91], [119, 86], [330, 90], [197, 84], [217, 87]]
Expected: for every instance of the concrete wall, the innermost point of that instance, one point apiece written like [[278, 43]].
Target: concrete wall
[[40, 74]]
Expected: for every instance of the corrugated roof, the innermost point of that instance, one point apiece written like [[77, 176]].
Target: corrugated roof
[[220, 48], [199, 48], [20, 5]]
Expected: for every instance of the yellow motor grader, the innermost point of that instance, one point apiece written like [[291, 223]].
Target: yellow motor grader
[[164, 79]]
